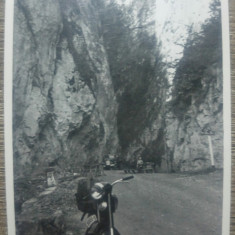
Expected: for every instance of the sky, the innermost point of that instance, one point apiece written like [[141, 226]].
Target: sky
[[172, 19]]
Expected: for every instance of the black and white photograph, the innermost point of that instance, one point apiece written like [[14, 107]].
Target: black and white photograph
[[118, 117]]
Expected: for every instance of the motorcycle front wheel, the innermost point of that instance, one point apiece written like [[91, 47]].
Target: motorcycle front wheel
[[100, 231], [108, 232]]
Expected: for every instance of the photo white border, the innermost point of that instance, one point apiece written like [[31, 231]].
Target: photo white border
[[8, 73], [227, 119], [8, 144]]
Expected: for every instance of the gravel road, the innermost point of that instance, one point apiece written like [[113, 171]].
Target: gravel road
[[169, 204]]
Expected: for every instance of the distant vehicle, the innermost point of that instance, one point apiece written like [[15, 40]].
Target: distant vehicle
[[110, 162], [141, 167], [149, 167]]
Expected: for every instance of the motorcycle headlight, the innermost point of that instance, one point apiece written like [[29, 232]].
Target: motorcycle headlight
[[97, 191], [102, 206]]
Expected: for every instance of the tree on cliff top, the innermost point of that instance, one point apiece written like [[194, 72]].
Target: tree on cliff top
[[201, 50]]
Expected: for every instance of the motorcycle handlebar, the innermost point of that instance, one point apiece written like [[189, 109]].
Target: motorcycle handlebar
[[128, 177], [123, 179]]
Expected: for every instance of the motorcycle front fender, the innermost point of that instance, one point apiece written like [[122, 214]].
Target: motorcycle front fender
[[108, 232], [97, 229]]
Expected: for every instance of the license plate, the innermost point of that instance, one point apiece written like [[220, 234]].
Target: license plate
[[90, 220]]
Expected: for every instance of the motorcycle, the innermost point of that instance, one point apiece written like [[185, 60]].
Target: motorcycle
[[100, 205]]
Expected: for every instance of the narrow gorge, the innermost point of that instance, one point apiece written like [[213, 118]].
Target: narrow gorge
[[90, 80]]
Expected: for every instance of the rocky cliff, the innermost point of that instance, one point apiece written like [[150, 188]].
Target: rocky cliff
[[190, 135], [194, 120], [84, 74], [89, 80], [64, 102]]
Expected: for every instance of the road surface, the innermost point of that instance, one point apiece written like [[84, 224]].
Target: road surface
[[168, 204]]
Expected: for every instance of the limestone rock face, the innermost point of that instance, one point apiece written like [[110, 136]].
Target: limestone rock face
[[188, 139], [64, 102]]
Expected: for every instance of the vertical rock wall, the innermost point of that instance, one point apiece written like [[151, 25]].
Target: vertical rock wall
[[64, 103], [188, 145]]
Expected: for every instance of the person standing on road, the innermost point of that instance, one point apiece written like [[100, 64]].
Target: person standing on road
[[139, 164]]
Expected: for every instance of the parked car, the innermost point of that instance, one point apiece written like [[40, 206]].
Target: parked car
[[149, 167], [110, 162]]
